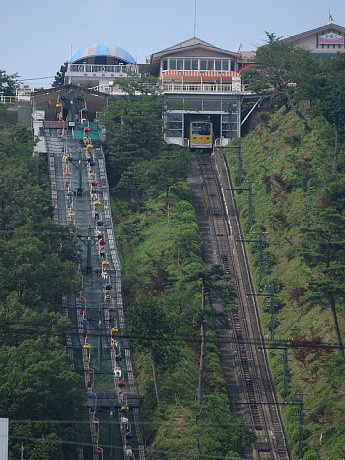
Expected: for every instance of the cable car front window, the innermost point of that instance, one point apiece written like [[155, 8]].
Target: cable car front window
[[201, 129]]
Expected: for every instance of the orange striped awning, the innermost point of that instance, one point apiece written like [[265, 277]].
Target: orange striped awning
[[196, 75]]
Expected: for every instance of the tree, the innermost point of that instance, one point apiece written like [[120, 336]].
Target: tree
[[331, 101], [284, 72], [134, 132], [214, 281], [155, 328], [36, 383], [60, 76], [323, 248], [134, 84], [8, 83]]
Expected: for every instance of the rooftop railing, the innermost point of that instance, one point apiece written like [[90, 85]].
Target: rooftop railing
[[203, 88], [8, 99], [93, 68]]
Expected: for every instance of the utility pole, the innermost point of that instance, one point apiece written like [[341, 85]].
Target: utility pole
[[272, 306], [88, 240], [260, 245], [249, 189], [286, 374], [239, 159], [240, 174], [99, 348], [111, 431], [300, 415], [250, 207], [78, 162]]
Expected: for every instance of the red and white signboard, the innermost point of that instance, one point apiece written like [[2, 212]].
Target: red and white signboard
[[236, 83], [331, 39]]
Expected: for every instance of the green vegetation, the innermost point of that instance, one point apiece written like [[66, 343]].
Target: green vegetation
[[59, 79], [185, 403], [38, 263], [8, 83], [294, 160]]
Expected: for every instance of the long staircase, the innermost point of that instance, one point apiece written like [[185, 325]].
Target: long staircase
[[80, 197]]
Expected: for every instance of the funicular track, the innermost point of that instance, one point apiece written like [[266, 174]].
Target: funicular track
[[245, 364], [98, 351]]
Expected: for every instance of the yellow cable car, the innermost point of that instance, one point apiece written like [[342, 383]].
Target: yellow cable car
[[201, 134], [114, 331]]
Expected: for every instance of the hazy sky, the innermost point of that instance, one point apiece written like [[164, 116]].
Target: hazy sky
[[37, 36]]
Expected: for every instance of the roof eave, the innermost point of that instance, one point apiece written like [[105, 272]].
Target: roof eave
[[167, 52], [313, 31]]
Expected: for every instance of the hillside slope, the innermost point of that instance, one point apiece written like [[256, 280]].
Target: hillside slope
[[298, 258]]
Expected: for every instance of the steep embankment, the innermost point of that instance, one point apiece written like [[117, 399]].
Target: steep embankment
[[185, 407], [298, 259], [162, 280]]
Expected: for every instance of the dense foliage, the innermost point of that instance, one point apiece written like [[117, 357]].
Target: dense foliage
[[38, 264], [8, 83], [186, 411], [294, 159], [59, 79]]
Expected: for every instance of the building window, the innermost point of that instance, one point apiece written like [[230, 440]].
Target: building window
[[213, 105], [210, 65], [172, 64], [174, 104], [179, 64], [174, 125], [187, 64], [203, 64], [218, 65], [193, 104], [165, 64], [195, 64]]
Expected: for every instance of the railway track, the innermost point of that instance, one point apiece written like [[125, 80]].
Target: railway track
[[245, 366]]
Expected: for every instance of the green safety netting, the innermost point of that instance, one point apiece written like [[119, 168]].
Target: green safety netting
[[78, 131]]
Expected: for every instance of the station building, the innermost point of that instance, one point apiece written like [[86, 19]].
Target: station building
[[88, 84], [96, 66], [323, 42], [199, 81]]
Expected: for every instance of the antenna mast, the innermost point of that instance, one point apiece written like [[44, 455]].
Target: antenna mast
[[194, 16], [330, 17]]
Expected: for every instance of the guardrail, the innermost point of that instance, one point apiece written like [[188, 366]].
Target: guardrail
[[7, 99], [197, 87], [90, 68]]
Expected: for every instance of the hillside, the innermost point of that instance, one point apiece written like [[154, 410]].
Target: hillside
[[185, 412], [298, 256]]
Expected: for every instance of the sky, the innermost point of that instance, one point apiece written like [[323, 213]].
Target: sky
[[37, 36]]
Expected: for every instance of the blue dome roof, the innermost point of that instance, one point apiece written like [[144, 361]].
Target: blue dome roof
[[102, 49]]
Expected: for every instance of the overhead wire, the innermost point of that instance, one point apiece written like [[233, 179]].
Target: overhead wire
[[287, 343], [183, 454]]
